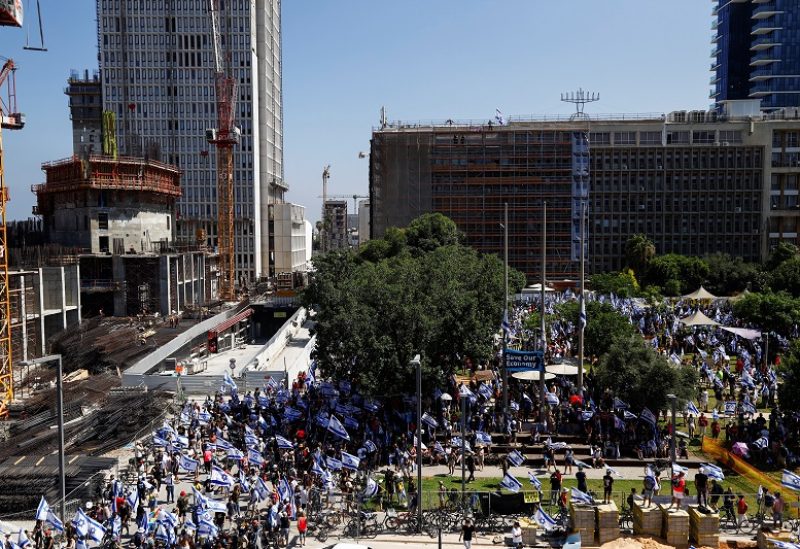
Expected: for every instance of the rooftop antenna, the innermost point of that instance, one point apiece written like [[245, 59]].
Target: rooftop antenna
[[579, 99], [383, 117]]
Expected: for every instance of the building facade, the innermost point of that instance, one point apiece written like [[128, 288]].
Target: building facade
[[334, 225], [157, 73], [694, 182], [363, 221], [756, 52], [86, 112], [287, 231]]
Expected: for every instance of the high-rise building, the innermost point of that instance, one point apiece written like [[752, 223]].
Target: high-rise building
[[756, 52], [86, 112], [694, 182], [334, 228], [157, 72], [363, 221]]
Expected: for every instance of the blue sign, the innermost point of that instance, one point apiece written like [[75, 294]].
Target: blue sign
[[524, 361]]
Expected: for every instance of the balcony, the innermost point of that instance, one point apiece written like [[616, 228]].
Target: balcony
[[764, 42], [714, 79], [765, 10], [764, 73], [714, 24], [713, 94], [715, 38], [715, 65], [766, 57], [764, 26], [715, 51]]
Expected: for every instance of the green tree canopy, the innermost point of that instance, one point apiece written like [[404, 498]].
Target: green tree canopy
[[728, 275], [604, 325], [688, 273], [432, 230], [376, 309], [769, 311], [623, 284], [639, 250], [634, 372], [788, 395], [784, 251], [786, 277]]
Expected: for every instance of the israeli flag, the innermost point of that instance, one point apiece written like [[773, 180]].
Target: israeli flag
[[515, 458], [679, 469], [350, 423], [349, 461], [317, 469], [322, 419], [81, 523], [223, 444], [54, 521], [428, 420], [483, 437], [204, 417], [748, 408], [243, 482], [144, 522], [334, 464], [216, 506], [464, 391], [168, 518], [369, 446], [437, 447], [183, 442], [556, 445], [188, 464], [551, 398], [614, 472], [510, 483], [485, 391], [692, 409], [235, 454], [535, 482], [675, 359], [227, 381], [221, 478], [255, 457], [587, 415], [506, 325], [583, 464], [292, 414], [371, 489], [619, 404], [22, 539], [629, 415], [158, 441], [580, 497], [730, 408], [261, 489], [283, 443], [499, 117], [116, 526], [42, 510], [582, 319], [619, 424], [544, 520], [250, 439], [783, 544], [95, 531], [335, 426], [715, 474], [199, 499], [648, 416], [207, 529], [80, 543], [761, 443]]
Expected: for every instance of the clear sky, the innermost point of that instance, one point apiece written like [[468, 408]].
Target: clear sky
[[422, 59]]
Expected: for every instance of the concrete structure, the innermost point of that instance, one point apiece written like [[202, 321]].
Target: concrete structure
[[165, 283], [287, 233], [44, 302], [363, 221], [156, 62], [309, 230], [86, 113], [695, 182], [756, 52], [102, 205], [334, 229]]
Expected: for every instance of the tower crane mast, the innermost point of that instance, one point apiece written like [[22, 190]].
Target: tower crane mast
[[224, 137]]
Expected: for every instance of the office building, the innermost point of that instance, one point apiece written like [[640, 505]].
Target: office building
[[86, 112], [287, 231], [157, 73], [755, 52], [363, 221], [694, 182], [334, 225]]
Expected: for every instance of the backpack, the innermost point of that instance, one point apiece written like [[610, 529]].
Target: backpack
[[649, 483], [768, 500]]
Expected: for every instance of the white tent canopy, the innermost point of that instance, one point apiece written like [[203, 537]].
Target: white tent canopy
[[531, 376], [698, 319], [700, 293], [746, 333]]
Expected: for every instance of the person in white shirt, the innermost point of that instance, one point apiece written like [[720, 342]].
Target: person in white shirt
[[516, 535]]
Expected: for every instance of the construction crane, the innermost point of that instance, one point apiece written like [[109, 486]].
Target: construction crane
[[224, 137], [10, 119]]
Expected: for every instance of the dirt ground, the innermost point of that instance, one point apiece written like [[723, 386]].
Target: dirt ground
[[641, 542]]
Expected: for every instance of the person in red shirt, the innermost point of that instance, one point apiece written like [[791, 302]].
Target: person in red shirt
[[678, 489], [741, 509], [302, 527]]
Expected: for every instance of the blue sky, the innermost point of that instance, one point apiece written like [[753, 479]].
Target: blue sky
[[422, 59]]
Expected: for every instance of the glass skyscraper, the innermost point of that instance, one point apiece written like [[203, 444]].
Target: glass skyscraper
[[756, 52]]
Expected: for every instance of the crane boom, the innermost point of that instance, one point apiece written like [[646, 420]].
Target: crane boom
[[225, 136]]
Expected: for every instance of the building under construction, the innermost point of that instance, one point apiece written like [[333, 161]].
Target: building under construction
[[694, 182]]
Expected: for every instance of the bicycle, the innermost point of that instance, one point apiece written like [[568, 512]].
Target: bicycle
[[729, 521], [626, 518]]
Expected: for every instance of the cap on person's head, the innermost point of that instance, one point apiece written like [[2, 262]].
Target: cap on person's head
[[183, 493], [580, 467]]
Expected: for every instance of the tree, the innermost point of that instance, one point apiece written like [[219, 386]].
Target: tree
[[786, 277], [788, 395], [634, 372], [768, 311], [639, 250], [376, 309], [784, 251], [432, 230], [687, 272], [604, 325], [730, 275], [622, 284]]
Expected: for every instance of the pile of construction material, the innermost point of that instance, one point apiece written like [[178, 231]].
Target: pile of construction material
[[703, 527], [646, 519], [675, 526], [607, 522], [583, 520]]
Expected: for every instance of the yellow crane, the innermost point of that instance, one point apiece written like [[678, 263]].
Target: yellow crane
[[224, 136], [10, 119]]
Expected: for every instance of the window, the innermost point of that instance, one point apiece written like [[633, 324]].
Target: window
[[102, 223], [600, 138], [625, 138], [730, 136], [703, 137], [650, 138]]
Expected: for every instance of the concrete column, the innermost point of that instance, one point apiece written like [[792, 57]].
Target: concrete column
[[179, 286], [63, 298], [194, 281], [41, 311], [78, 290], [23, 311], [166, 300], [120, 296]]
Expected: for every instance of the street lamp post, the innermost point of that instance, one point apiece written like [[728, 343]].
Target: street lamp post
[[673, 400], [505, 312], [60, 412], [417, 363]]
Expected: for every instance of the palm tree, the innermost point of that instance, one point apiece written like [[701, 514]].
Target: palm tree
[[639, 250]]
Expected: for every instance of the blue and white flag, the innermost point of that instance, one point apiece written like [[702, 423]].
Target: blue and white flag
[[692, 409], [464, 391], [712, 471], [167, 518], [158, 441], [251, 440], [188, 464], [221, 478], [544, 520], [535, 482], [505, 324], [619, 404], [350, 423], [317, 469], [437, 448], [783, 544], [748, 408], [144, 522], [675, 359], [619, 424], [428, 420], [283, 443], [207, 529], [510, 483], [498, 116], [790, 480], [204, 417], [335, 426], [235, 454], [334, 464], [730, 408], [371, 489], [482, 437], [54, 521], [648, 416], [227, 381], [81, 522], [679, 469], [216, 506], [116, 526], [485, 391], [551, 398], [292, 414], [22, 539], [582, 318], [583, 464], [181, 441], [349, 461], [321, 419], [199, 499], [261, 489], [42, 510], [614, 471], [761, 443], [515, 458], [255, 457], [369, 446], [629, 415], [580, 497], [95, 531], [243, 482], [223, 444]]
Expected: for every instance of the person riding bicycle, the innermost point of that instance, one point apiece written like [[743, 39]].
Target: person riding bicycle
[[728, 500]]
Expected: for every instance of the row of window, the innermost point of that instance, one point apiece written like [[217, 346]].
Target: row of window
[[702, 137]]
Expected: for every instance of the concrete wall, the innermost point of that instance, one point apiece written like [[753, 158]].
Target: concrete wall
[[290, 238], [137, 227], [363, 221]]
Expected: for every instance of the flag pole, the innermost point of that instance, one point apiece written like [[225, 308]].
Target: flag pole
[[505, 313], [542, 413], [582, 313]]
